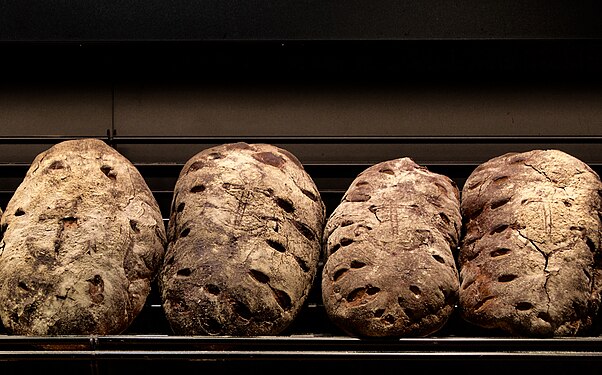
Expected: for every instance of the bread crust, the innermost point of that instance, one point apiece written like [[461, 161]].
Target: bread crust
[[390, 244], [244, 242], [83, 240], [529, 260]]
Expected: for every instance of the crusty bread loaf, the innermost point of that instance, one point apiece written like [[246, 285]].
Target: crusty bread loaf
[[83, 239], [244, 242], [530, 258], [390, 268]]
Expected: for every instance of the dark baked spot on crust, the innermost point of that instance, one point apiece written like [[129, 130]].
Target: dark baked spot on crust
[[269, 158], [346, 241], [587, 274], [479, 305], [499, 203], [57, 164], [387, 170], [339, 273], [184, 272], [212, 326], [544, 316], [96, 288], [334, 248], [305, 230], [276, 245], [285, 204], [283, 299], [416, 290], [499, 252], [474, 184], [238, 146], [215, 156], [590, 244], [346, 223], [242, 310], [506, 278], [524, 306], [499, 228], [109, 172], [259, 276], [517, 159], [212, 289], [198, 188], [444, 217], [357, 264], [23, 286], [359, 294], [310, 195], [195, 166], [357, 196], [69, 222], [134, 226], [302, 263], [407, 311]]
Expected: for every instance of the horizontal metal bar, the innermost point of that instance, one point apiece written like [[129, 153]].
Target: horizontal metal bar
[[297, 348], [519, 139], [358, 139], [45, 139], [289, 355]]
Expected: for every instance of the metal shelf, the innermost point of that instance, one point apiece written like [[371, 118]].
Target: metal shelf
[[312, 343]]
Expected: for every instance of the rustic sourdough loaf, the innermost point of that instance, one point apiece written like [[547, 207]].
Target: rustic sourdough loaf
[[390, 244], [530, 258], [244, 242], [83, 238]]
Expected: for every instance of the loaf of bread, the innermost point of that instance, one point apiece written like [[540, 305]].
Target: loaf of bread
[[530, 259], [390, 245], [83, 238], [243, 242]]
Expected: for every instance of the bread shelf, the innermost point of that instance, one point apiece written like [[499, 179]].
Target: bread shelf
[[96, 48], [312, 342]]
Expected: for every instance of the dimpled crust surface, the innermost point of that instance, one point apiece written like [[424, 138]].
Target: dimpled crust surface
[[83, 238], [390, 268], [529, 261], [244, 242]]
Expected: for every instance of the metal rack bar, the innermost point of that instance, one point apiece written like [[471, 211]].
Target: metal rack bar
[[115, 139]]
